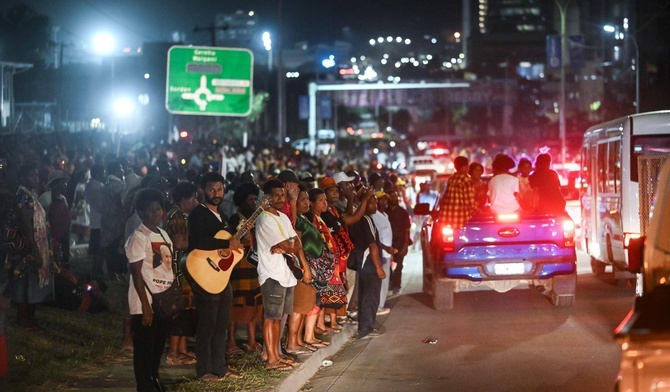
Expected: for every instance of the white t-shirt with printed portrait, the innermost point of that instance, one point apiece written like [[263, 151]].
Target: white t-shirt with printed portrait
[[154, 251]]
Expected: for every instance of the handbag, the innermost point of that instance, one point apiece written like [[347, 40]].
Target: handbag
[[293, 264], [167, 304], [333, 294]]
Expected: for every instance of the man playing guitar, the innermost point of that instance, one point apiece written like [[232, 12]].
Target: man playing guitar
[[204, 223]]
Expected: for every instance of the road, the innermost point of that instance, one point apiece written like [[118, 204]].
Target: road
[[514, 341]]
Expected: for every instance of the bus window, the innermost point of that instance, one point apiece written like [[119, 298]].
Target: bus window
[[647, 145], [602, 167], [613, 166]]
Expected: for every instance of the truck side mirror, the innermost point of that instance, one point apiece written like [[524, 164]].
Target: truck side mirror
[[636, 254]]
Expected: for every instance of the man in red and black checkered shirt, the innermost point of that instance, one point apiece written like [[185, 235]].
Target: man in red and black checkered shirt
[[458, 203]]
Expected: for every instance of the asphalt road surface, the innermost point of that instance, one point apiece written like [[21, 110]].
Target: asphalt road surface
[[514, 341]]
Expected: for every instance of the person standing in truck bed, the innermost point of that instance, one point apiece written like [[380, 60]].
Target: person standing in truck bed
[[548, 186], [458, 202]]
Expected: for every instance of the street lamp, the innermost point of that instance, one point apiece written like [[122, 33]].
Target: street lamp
[[618, 35], [267, 43]]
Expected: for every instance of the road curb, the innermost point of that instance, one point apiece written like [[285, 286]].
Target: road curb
[[310, 364]]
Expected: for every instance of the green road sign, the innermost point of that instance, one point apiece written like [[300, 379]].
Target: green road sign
[[209, 81]]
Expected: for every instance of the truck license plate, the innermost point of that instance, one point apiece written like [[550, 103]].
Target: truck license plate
[[509, 269]]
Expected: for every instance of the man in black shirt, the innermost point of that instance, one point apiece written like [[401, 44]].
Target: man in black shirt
[[213, 309], [400, 225]]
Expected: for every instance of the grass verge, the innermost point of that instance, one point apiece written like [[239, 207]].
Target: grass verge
[[76, 348]]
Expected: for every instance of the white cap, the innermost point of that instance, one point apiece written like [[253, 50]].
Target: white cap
[[342, 177]]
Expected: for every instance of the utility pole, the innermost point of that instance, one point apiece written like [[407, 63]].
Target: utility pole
[[281, 81], [562, 8]]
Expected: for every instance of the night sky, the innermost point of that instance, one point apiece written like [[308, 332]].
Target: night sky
[[137, 21]]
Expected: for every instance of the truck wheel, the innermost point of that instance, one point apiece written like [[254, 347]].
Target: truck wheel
[[597, 267], [443, 294], [563, 291]]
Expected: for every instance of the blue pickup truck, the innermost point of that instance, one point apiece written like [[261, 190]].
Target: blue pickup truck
[[500, 252]]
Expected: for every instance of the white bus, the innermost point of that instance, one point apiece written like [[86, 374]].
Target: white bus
[[621, 160]]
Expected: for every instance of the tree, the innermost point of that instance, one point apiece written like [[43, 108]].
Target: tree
[[24, 35]]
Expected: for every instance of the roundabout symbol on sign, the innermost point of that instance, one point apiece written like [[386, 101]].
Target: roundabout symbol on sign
[[203, 91]]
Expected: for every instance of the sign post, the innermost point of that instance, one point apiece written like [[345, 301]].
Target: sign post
[[209, 81]]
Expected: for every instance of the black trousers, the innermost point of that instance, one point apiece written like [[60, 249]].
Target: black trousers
[[396, 274], [148, 345], [369, 287], [213, 313]]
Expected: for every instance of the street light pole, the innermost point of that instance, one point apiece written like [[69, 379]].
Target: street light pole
[[613, 29], [637, 72], [562, 8]]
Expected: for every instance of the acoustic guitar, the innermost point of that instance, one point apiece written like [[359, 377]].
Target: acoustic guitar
[[208, 271]]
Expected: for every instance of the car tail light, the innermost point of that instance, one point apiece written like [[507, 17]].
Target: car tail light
[[568, 233], [447, 238], [627, 237]]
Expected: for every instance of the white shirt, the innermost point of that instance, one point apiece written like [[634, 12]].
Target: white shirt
[[93, 196], [502, 193], [383, 224], [272, 229], [155, 253]]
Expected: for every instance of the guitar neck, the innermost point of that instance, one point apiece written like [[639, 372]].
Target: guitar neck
[[245, 229]]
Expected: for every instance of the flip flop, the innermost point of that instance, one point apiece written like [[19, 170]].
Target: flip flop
[[310, 347], [257, 347], [234, 350], [299, 351], [278, 366], [287, 361], [233, 375], [320, 344]]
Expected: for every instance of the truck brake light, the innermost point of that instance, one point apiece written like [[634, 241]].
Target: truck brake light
[[447, 237], [568, 233], [507, 217]]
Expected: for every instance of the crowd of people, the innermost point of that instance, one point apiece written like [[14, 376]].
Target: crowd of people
[[324, 250]]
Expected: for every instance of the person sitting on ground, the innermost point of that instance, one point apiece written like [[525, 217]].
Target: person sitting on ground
[[503, 187]]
